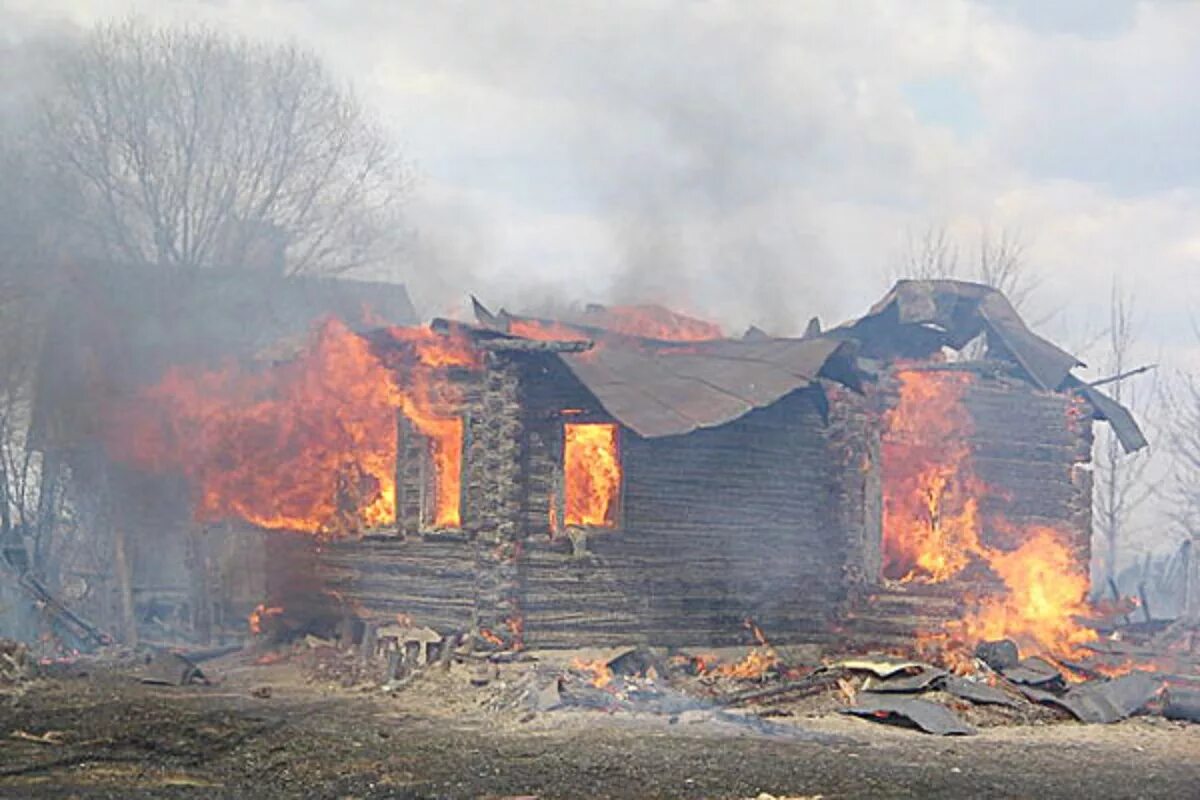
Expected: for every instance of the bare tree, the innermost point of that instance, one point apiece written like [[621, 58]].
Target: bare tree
[[930, 255], [999, 260], [1120, 479], [194, 149], [1002, 263]]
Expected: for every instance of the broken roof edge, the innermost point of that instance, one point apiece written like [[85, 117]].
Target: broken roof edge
[[1047, 366], [959, 311], [1124, 424]]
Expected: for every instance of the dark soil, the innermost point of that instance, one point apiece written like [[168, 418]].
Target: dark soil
[[109, 736]]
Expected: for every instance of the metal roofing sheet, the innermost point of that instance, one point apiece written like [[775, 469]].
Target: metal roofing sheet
[[665, 389]]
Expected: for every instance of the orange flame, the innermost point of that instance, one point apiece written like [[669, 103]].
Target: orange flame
[[643, 322], [1046, 586], [933, 529], [601, 672], [753, 665], [930, 506], [653, 322], [257, 616], [591, 474], [307, 445], [545, 331]]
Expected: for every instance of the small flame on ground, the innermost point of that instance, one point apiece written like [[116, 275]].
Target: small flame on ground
[[599, 670], [755, 664], [490, 638]]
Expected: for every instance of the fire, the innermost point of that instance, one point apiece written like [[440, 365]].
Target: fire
[[545, 331], [653, 322], [261, 612], [643, 322], [601, 673], [307, 445], [491, 638], [933, 529], [753, 665], [591, 474], [930, 505], [1046, 590]]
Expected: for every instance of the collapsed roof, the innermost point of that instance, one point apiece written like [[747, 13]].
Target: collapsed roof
[[918, 318], [666, 388]]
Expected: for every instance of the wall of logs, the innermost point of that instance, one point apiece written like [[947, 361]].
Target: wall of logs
[[774, 517]]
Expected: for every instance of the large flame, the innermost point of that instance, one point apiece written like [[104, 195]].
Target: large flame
[[930, 494], [1046, 587], [307, 445], [591, 474], [644, 322], [933, 526]]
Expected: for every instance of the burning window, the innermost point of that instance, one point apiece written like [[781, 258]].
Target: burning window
[[429, 474], [591, 475], [445, 455]]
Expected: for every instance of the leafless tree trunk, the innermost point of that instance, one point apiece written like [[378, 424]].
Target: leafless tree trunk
[[1120, 484], [194, 149]]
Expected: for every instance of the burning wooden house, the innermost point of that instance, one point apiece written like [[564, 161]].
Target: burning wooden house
[[629, 475], [605, 480]]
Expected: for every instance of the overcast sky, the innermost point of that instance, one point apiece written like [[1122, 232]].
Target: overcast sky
[[766, 161]]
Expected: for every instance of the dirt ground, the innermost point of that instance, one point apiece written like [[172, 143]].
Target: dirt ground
[[275, 732]]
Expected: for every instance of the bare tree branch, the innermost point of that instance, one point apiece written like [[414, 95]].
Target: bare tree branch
[[198, 150]]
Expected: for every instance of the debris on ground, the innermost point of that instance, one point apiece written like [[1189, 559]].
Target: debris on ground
[[169, 668], [16, 664], [929, 717]]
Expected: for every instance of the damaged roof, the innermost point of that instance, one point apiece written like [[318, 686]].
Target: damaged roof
[[918, 318], [948, 313], [666, 388], [673, 389]]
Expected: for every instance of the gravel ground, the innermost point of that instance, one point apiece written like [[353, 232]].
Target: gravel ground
[[105, 735]]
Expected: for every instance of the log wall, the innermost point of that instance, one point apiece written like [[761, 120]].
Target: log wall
[[762, 518], [774, 517], [1033, 450]]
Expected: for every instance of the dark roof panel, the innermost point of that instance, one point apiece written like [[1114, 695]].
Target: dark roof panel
[[667, 389]]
